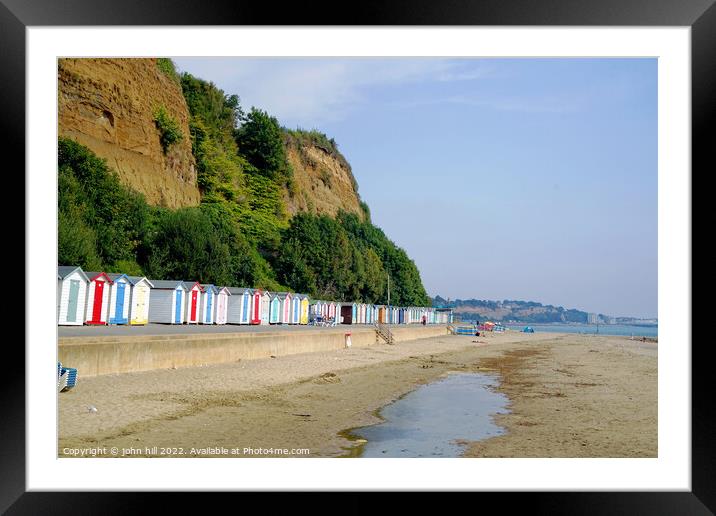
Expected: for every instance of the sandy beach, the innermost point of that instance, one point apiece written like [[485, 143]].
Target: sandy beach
[[570, 396]]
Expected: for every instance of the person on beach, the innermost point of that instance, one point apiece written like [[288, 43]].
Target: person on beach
[[424, 321]]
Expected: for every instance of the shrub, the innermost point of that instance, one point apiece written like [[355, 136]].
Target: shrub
[[76, 242], [95, 207], [166, 66], [169, 131]]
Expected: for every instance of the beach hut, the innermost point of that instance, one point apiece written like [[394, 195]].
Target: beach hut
[[304, 309], [354, 313], [401, 315], [265, 307], [194, 292], [285, 317], [98, 298], [275, 313], [296, 309], [119, 297], [222, 305], [240, 305], [368, 313], [347, 313], [140, 290], [382, 316], [332, 310], [256, 306], [167, 301], [317, 309], [72, 286], [207, 304]]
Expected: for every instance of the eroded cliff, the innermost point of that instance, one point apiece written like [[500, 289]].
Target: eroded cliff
[[109, 105], [324, 182]]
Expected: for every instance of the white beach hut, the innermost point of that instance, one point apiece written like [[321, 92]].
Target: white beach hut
[[193, 301], [315, 309], [276, 308], [265, 307], [208, 303], [119, 298], [141, 289], [72, 286], [295, 317], [222, 305], [166, 304], [98, 298], [240, 306], [286, 299]]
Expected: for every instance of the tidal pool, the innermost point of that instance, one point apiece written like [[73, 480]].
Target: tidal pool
[[432, 420]]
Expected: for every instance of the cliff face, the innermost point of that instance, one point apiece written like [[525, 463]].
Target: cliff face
[[109, 104], [324, 184]]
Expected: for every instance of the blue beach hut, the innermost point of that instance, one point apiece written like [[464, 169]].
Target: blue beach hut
[[119, 295], [167, 302], [208, 303], [275, 309], [295, 309]]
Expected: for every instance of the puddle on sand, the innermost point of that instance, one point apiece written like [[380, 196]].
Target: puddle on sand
[[428, 421]]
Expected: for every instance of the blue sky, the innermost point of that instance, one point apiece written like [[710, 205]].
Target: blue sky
[[531, 179]]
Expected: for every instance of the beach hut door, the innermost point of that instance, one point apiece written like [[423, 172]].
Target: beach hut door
[[72, 303], [193, 305], [220, 303], [177, 308], [119, 307], [207, 317], [97, 307], [140, 303], [245, 309]]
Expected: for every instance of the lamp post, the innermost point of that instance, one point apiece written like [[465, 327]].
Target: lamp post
[[389, 314]]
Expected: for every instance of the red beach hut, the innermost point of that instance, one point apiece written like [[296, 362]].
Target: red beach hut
[[256, 312], [98, 298], [193, 302]]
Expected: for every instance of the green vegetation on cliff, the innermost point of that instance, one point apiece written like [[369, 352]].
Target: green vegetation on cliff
[[512, 310], [241, 233]]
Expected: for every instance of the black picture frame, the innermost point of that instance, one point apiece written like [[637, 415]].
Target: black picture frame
[[699, 15]]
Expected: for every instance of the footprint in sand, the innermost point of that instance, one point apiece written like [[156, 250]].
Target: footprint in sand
[[327, 378]]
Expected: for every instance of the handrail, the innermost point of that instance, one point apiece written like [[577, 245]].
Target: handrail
[[384, 332]]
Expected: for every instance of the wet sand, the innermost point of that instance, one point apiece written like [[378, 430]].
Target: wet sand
[[570, 396]]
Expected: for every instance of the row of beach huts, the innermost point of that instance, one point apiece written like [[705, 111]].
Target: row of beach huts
[[99, 298]]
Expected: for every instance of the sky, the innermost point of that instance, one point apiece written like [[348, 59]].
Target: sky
[[527, 179]]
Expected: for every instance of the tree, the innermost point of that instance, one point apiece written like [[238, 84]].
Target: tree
[[260, 140], [94, 206]]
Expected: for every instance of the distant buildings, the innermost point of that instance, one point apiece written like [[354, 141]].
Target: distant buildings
[[592, 319]]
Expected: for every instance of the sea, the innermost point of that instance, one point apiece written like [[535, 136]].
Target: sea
[[592, 329]]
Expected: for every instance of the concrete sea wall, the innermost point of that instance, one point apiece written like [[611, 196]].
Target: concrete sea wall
[[93, 356]]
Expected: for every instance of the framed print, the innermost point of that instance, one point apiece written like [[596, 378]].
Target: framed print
[[253, 214]]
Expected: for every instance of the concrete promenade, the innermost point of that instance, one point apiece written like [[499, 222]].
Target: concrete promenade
[[120, 349]]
